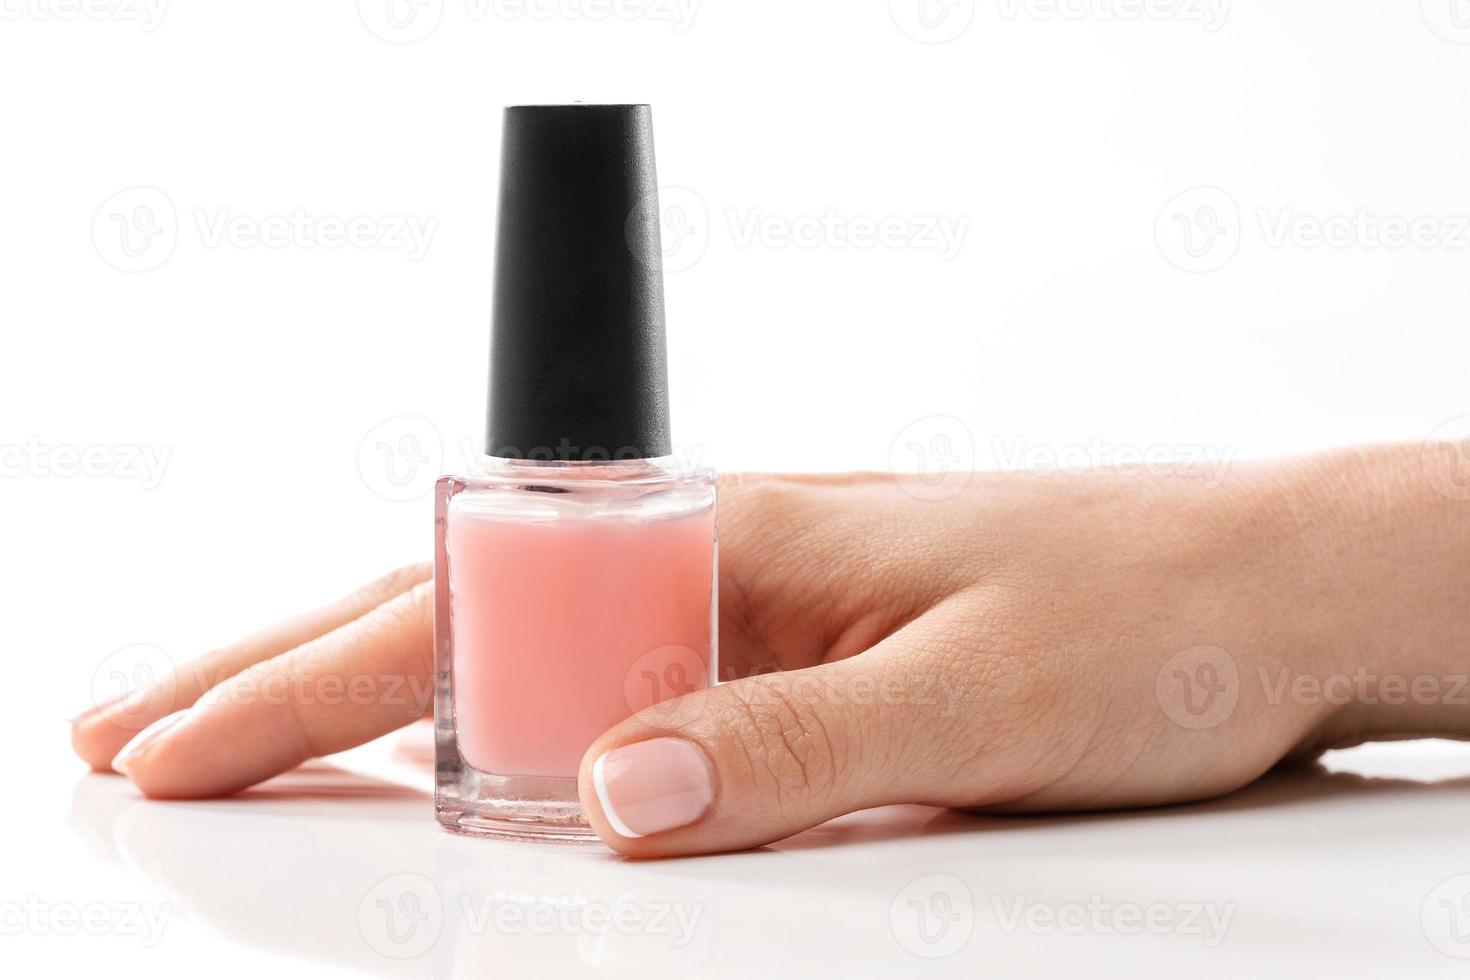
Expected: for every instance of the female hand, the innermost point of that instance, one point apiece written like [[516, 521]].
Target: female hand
[[1060, 642]]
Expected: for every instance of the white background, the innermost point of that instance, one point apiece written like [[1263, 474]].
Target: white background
[[1065, 318]]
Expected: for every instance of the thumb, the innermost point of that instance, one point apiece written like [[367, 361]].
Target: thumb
[[758, 759]]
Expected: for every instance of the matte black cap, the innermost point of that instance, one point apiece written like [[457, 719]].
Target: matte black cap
[[577, 366]]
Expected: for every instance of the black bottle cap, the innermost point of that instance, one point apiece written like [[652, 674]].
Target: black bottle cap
[[577, 366]]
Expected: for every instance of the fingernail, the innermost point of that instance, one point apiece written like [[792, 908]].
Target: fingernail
[[117, 710], [100, 707], [143, 739], [653, 786]]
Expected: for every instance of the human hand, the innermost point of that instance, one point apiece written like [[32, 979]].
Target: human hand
[[1073, 641]]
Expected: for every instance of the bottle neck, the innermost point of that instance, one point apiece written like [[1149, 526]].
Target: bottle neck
[[608, 470]]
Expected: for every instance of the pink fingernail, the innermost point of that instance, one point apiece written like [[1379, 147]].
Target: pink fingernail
[[98, 708], [653, 786], [143, 739]]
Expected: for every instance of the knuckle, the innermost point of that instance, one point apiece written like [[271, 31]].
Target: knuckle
[[393, 584], [788, 744]]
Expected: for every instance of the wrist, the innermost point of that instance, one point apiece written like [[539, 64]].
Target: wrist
[[1384, 583]]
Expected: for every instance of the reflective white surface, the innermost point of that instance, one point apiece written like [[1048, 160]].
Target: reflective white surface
[[340, 869]]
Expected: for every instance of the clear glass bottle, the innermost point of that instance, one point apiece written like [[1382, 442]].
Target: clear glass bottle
[[569, 595], [575, 574]]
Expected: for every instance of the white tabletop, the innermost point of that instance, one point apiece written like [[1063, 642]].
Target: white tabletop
[[340, 869]]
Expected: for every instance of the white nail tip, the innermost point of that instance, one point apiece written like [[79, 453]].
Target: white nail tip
[[600, 784], [138, 741]]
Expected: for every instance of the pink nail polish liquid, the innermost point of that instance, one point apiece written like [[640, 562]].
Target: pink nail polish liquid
[[575, 571], [571, 596]]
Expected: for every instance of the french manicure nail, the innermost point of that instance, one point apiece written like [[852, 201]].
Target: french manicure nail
[[143, 739], [653, 786]]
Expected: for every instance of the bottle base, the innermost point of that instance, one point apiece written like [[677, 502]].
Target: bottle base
[[524, 808]]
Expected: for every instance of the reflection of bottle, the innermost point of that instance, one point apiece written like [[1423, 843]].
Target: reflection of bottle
[[578, 563]]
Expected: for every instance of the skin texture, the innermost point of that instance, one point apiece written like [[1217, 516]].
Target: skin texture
[[1028, 644]]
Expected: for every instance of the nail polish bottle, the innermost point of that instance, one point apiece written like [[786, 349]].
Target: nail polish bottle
[[575, 568]]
